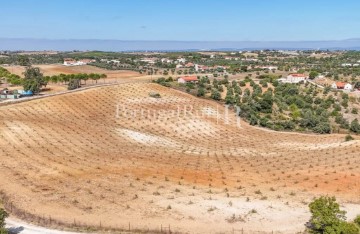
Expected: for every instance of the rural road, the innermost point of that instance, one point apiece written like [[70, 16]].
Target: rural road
[[19, 227]]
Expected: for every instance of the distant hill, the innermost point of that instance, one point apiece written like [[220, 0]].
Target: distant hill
[[120, 45]]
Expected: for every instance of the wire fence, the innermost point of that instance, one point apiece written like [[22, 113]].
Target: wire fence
[[76, 225]]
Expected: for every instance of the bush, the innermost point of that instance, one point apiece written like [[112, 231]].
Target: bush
[[74, 84], [154, 95], [215, 95], [201, 92], [327, 218], [349, 138], [357, 220], [355, 126], [3, 216]]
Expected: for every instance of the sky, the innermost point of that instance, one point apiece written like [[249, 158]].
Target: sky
[[195, 20]]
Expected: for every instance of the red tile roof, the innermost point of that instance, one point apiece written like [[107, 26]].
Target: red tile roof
[[340, 85], [190, 78], [297, 75]]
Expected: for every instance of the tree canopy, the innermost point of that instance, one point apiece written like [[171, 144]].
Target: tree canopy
[[33, 79]]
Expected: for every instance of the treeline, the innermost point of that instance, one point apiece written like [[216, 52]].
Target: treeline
[[9, 77], [33, 79], [65, 78]]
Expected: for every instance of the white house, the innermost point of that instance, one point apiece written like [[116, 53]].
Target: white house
[[73, 62], [269, 67], [294, 78], [196, 67], [181, 60], [348, 87], [148, 60], [342, 85], [69, 62], [188, 79], [166, 60]]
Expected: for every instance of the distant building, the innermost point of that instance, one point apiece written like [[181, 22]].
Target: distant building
[[342, 85], [149, 60], [73, 62], [188, 79], [69, 62], [9, 94], [181, 60], [166, 60], [294, 78], [269, 67]]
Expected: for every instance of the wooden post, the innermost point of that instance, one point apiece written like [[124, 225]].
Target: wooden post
[[129, 226], [161, 228]]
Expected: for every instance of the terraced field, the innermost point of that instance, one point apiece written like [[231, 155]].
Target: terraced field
[[111, 156]]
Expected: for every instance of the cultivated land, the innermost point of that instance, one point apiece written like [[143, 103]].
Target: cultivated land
[[71, 158]]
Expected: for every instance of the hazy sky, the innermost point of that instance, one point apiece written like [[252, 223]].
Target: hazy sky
[[210, 20]]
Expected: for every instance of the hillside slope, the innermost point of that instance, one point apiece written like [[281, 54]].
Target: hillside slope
[[80, 159]]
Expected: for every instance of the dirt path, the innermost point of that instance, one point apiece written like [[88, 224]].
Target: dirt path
[[16, 226]]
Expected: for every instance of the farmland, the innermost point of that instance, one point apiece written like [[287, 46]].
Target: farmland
[[80, 159], [56, 69]]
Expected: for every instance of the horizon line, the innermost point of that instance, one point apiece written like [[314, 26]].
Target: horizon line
[[164, 40]]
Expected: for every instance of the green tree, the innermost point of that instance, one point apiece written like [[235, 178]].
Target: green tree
[[103, 76], [73, 84], [33, 79], [3, 216], [201, 92], [357, 220], [355, 126], [23, 60], [313, 74], [327, 218], [215, 94]]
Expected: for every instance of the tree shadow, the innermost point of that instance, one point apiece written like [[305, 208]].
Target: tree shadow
[[15, 230]]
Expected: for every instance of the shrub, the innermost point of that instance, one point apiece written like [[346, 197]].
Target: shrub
[[349, 138], [154, 95], [74, 84], [357, 220], [355, 126], [326, 217], [3, 216]]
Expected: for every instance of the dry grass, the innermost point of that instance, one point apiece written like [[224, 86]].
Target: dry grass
[[69, 157]]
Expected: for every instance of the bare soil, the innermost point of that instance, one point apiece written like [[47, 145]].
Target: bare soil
[[78, 158]]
